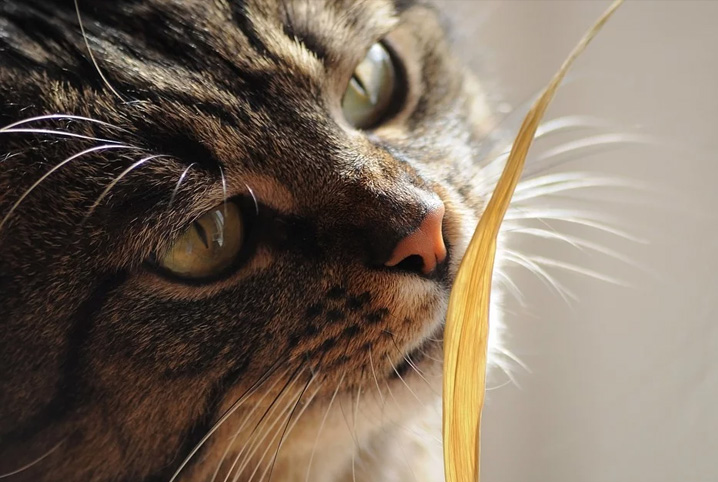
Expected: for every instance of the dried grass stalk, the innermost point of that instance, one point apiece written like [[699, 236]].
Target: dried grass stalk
[[467, 320]]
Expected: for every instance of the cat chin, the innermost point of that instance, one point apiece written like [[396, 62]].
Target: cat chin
[[363, 427]]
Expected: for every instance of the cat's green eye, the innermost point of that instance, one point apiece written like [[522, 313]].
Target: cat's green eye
[[369, 95], [208, 247]]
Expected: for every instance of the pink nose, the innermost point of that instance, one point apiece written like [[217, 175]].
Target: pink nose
[[427, 242]]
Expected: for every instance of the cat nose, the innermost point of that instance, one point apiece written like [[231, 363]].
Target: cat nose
[[426, 243]]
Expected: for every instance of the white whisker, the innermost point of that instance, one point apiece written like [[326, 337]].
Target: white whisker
[[508, 354], [286, 427], [254, 200], [404, 381], [92, 56], [246, 420], [506, 369], [551, 127], [594, 141], [224, 191], [582, 218], [279, 415], [257, 441], [61, 117], [55, 169], [228, 413], [559, 183], [568, 151], [179, 183], [537, 164], [321, 426], [34, 462], [57, 133], [410, 362], [288, 430], [124, 173], [502, 385], [569, 122], [578, 243], [506, 280], [354, 422], [577, 269], [376, 380], [542, 274]]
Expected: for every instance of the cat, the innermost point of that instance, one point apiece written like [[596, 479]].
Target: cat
[[228, 232]]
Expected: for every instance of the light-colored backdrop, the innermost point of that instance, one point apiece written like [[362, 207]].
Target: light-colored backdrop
[[621, 384]]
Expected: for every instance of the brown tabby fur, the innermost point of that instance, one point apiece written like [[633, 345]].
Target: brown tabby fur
[[110, 371]]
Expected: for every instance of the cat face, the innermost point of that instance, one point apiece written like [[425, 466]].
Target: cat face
[[129, 326]]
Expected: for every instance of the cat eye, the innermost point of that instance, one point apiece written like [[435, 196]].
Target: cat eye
[[371, 90], [208, 247]]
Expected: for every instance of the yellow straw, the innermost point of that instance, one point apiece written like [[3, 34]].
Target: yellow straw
[[467, 319]]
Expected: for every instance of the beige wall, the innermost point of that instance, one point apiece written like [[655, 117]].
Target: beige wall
[[623, 383]]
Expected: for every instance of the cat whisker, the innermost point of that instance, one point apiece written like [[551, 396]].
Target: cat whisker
[[552, 127], [254, 199], [287, 430], [506, 280], [427, 355], [284, 432], [246, 420], [408, 464], [561, 177], [570, 122], [560, 183], [582, 218], [376, 380], [92, 56], [8, 156], [285, 420], [509, 355], [321, 425], [228, 413], [179, 184], [533, 267], [565, 153], [114, 183], [610, 139], [354, 421], [349, 427], [410, 362], [257, 440], [540, 260], [267, 424], [34, 462], [506, 364], [62, 117], [294, 423], [501, 385], [58, 133], [578, 243], [55, 169], [404, 381], [224, 190]]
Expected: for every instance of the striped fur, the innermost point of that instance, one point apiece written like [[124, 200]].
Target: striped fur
[[109, 372]]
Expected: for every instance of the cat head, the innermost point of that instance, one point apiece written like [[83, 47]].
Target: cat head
[[210, 206]]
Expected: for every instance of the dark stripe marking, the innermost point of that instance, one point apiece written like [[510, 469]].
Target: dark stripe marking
[[71, 388]]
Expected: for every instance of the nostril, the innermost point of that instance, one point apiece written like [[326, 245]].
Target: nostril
[[413, 264], [423, 249]]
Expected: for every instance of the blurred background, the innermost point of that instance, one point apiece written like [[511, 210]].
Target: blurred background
[[621, 379]]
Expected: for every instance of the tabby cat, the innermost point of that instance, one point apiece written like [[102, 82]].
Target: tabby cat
[[228, 231]]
